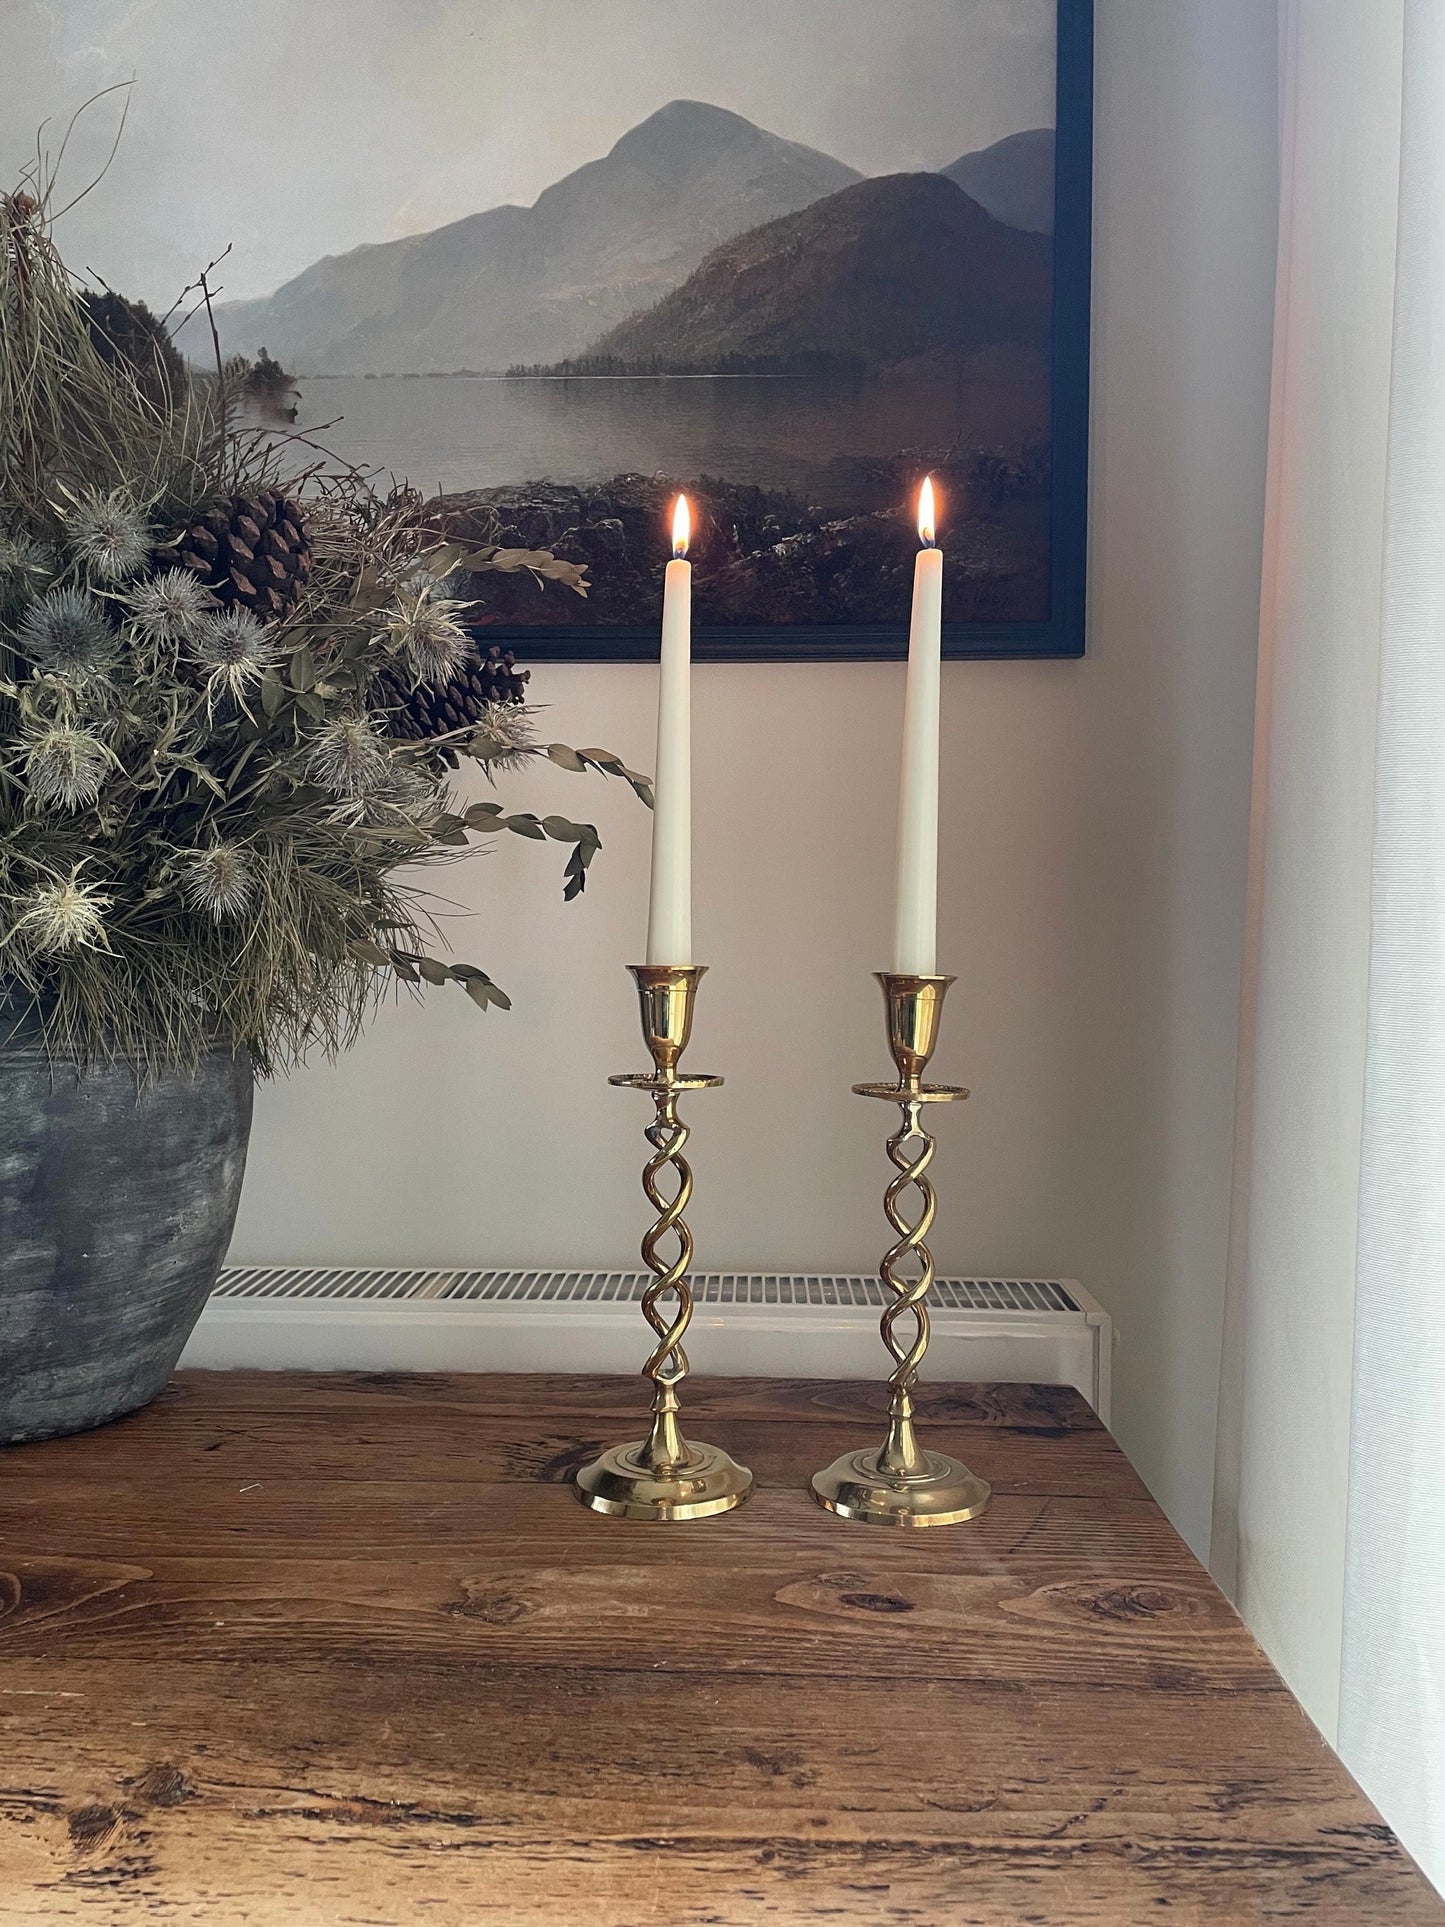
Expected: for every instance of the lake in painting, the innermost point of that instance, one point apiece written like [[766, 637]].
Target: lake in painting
[[450, 434], [786, 466]]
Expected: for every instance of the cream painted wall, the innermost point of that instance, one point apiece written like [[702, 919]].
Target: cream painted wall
[[1095, 819]]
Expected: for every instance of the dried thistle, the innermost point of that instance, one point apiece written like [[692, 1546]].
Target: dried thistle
[[350, 759], [63, 916], [109, 535], [66, 633], [170, 608], [26, 567], [19, 555], [506, 736], [423, 627], [218, 882], [233, 648], [410, 796], [65, 767]]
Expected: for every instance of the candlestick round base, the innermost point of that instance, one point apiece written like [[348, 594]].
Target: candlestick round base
[[623, 1484], [913, 1094], [650, 1081], [944, 1494]]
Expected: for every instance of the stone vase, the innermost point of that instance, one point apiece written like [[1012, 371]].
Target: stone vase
[[116, 1207]]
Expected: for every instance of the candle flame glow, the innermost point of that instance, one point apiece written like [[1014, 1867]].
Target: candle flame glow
[[926, 513], [681, 526]]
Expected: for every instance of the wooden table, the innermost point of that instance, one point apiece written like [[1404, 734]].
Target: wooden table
[[343, 1648]]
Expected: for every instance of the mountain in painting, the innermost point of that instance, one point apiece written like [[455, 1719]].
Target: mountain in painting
[[903, 270], [542, 281], [1013, 179]]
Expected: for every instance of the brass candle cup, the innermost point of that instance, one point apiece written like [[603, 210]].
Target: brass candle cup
[[665, 1476], [901, 1483]]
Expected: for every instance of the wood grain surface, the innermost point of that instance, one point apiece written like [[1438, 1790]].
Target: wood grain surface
[[342, 1648]]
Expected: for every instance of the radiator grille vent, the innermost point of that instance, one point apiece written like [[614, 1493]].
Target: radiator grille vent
[[600, 1287]]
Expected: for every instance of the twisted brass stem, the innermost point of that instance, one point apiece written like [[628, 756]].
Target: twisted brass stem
[[665, 1448], [900, 1452], [667, 1134]]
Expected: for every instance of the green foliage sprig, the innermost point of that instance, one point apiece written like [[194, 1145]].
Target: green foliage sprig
[[207, 829]]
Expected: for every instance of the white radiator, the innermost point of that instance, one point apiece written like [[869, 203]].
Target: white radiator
[[747, 1324]]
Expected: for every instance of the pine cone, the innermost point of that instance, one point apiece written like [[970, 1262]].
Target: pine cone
[[251, 552], [421, 713]]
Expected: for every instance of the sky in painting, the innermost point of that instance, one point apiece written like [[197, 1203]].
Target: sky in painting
[[297, 128]]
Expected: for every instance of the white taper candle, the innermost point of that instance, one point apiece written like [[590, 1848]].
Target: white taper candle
[[915, 927], [669, 917]]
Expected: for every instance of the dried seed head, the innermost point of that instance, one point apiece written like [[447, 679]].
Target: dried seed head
[[25, 569], [64, 916], [30, 562], [66, 633], [64, 768], [424, 627], [508, 729], [410, 797], [110, 536], [350, 760], [171, 607], [218, 882], [233, 648]]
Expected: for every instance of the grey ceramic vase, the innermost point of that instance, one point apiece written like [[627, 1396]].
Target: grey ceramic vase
[[116, 1207]]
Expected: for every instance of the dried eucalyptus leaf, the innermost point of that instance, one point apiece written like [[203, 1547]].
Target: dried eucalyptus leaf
[[568, 758], [525, 824], [572, 575]]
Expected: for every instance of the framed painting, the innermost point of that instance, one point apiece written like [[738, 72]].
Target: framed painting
[[554, 262]]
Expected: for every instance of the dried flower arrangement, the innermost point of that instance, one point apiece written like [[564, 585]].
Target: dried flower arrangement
[[232, 694]]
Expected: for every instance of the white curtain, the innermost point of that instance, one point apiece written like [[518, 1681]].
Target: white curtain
[[1392, 1696], [1330, 1480]]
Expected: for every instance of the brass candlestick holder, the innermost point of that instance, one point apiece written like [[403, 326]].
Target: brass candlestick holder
[[664, 1476], [899, 1483]]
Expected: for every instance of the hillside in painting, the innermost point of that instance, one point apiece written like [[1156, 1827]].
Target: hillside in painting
[[539, 281], [904, 271], [1013, 179], [599, 247]]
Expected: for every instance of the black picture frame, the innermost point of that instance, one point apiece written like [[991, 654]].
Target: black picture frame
[[1062, 633]]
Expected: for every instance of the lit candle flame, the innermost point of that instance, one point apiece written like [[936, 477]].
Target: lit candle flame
[[681, 526], [926, 513]]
